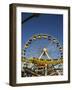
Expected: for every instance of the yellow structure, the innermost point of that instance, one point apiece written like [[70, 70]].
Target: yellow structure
[[43, 61]]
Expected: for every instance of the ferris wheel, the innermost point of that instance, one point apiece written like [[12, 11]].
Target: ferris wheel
[[41, 44], [46, 48]]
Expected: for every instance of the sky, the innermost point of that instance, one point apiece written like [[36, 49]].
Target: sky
[[51, 24]]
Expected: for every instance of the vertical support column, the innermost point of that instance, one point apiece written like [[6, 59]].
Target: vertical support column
[[46, 71]]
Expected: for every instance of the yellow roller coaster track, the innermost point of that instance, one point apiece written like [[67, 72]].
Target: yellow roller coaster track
[[39, 62], [43, 62]]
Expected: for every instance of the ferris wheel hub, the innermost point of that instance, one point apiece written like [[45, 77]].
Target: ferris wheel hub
[[45, 49]]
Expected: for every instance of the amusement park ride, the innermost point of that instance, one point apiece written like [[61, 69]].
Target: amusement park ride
[[39, 66], [44, 63]]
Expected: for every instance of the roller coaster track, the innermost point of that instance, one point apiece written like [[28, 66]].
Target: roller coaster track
[[43, 62], [39, 62]]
